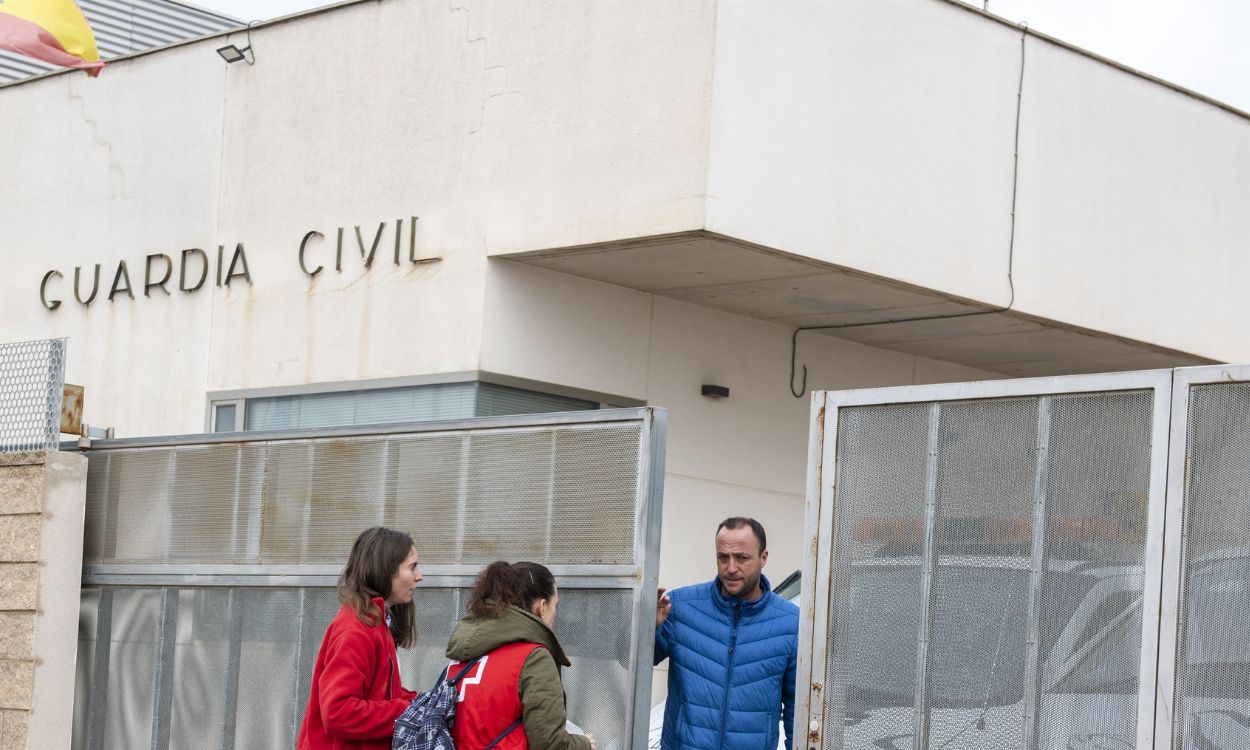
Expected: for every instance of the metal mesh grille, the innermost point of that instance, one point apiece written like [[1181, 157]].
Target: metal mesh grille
[[229, 678], [202, 658], [1212, 691], [32, 379], [977, 653], [175, 654], [875, 593], [598, 684], [1097, 498], [243, 659], [267, 659], [466, 497], [1026, 640], [130, 689]]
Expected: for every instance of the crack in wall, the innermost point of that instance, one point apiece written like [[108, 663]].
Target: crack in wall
[[481, 119], [488, 69], [117, 187]]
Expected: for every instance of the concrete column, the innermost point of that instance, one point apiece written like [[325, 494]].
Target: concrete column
[[42, 500]]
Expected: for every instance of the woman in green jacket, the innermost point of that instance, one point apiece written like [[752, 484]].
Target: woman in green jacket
[[512, 698]]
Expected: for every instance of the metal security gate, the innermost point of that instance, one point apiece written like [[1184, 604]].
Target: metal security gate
[[1204, 655], [987, 566], [210, 564]]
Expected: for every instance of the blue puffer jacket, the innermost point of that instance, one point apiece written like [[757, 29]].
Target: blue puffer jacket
[[731, 669]]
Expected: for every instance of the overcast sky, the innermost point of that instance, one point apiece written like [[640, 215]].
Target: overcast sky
[[1198, 44]]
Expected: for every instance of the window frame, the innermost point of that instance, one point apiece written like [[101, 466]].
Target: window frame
[[240, 397]]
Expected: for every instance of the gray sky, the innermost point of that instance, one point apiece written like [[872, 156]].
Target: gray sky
[[258, 10], [1192, 43], [1198, 44]]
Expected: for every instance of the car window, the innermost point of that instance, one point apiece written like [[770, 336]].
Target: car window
[[1217, 632], [1111, 667], [789, 588]]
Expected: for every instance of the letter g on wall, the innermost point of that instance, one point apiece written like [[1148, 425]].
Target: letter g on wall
[[43, 291]]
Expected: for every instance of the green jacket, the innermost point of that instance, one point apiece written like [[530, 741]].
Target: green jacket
[[542, 694]]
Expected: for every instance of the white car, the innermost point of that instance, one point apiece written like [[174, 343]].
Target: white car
[[1090, 636], [1089, 655]]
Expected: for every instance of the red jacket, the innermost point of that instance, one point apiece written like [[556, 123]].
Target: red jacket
[[356, 695], [490, 699], [520, 677]]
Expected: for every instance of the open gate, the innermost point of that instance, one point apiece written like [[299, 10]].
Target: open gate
[[1042, 564]]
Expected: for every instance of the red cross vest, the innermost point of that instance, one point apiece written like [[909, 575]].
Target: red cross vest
[[490, 700]]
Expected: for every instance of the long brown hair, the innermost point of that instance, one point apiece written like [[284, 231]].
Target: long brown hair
[[375, 558], [504, 584]]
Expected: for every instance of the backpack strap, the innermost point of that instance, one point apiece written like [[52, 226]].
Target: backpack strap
[[505, 733], [459, 675]]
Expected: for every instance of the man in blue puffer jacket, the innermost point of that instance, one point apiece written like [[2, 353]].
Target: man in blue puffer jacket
[[732, 645]]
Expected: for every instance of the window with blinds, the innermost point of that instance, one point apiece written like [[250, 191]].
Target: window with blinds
[[417, 403]]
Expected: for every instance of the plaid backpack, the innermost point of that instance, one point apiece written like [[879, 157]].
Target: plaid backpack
[[426, 723]]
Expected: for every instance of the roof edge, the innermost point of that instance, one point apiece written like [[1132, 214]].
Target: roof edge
[[960, 4], [196, 39], [965, 6]]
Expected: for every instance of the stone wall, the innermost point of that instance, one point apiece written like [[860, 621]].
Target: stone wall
[[42, 496]]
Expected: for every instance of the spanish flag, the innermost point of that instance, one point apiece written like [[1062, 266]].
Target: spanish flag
[[50, 30]]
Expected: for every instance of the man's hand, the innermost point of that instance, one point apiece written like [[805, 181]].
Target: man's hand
[[593, 746], [662, 606]]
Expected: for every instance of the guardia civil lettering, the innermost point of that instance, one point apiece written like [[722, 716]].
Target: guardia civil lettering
[[187, 271]]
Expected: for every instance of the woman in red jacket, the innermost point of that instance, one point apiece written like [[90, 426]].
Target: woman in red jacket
[[356, 695], [512, 698]]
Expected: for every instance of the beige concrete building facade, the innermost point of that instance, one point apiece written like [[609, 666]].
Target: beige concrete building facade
[[619, 203], [613, 203]]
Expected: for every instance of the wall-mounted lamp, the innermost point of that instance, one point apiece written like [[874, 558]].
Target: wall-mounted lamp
[[232, 53], [714, 391]]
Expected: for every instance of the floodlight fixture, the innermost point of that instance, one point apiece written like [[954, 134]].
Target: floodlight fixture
[[232, 54]]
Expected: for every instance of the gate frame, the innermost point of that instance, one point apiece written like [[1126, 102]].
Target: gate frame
[[1183, 378], [819, 520]]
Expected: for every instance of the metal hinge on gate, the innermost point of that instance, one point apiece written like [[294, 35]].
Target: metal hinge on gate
[[813, 729], [90, 433]]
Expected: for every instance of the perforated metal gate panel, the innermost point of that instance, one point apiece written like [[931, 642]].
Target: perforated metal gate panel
[[465, 496], [980, 567], [209, 566], [1211, 659], [32, 377]]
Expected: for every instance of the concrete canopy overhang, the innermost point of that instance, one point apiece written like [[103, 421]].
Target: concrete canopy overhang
[[724, 273]]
